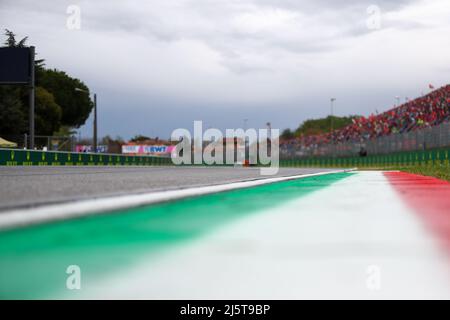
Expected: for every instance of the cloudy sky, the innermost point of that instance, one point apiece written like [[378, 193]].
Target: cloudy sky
[[158, 65]]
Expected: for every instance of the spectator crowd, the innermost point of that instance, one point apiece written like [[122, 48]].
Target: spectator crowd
[[426, 111]]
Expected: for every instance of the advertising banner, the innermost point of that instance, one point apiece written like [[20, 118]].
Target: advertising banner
[[89, 148], [147, 149]]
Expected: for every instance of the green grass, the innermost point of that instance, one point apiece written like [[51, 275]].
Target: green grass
[[438, 171]]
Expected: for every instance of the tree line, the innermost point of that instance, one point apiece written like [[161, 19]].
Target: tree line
[[317, 126]]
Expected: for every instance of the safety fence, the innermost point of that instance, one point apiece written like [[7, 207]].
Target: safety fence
[[439, 156], [426, 138], [17, 157]]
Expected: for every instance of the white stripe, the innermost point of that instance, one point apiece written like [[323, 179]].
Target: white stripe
[[21, 217]]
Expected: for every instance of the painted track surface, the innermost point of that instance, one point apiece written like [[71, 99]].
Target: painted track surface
[[344, 235], [25, 186]]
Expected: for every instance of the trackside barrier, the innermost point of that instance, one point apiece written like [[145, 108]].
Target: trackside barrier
[[17, 157], [408, 158]]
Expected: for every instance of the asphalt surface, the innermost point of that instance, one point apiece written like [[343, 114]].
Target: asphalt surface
[[32, 186]]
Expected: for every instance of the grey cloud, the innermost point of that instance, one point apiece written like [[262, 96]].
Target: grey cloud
[[318, 5], [243, 68], [224, 71]]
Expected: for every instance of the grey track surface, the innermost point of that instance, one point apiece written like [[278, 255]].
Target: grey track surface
[[31, 186]]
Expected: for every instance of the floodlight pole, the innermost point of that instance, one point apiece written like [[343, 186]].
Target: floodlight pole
[[95, 123], [31, 97], [331, 115]]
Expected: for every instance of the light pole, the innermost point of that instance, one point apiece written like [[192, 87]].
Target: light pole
[[331, 117], [246, 142], [32, 97], [94, 143]]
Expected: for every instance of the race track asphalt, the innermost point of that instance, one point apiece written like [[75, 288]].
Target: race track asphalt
[[32, 186]]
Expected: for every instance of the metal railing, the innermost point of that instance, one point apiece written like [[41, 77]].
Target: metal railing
[[423, 139]]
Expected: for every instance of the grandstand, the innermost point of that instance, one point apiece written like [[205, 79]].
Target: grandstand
[[415, 116]]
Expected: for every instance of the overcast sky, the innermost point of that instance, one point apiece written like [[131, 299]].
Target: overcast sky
[[159, 65]]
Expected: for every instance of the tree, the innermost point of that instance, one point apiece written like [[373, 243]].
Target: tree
[[13, 119], [139, 138], [317, 126], [287, 134], [11, 40], [75, 106], [64, 131], [322, 125], [48, 112]]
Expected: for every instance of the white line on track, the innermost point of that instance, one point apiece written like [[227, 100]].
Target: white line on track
[[28, 216]]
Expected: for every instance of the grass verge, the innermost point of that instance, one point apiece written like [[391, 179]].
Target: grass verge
[[438, 171]]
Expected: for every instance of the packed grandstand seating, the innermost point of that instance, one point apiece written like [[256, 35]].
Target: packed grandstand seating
[[429, 110]]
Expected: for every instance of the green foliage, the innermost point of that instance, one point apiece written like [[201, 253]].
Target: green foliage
[[13, 117], [440, 171], [64, 131], [11, 40], [75, 106], [323, 125], [139, 138], [48, 112], [317, 126], [287, 134]]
